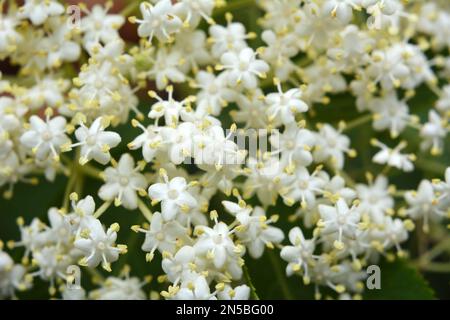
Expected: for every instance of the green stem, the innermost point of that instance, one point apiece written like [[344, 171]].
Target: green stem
[[233, 6], [102, 209], [253, 293], [430, 166], [71, 182], [437, 267], [279, 274], [130, 8], [90, 171], [428, 256], [145, 210], [79, 185], [358, 122], [95, 274]]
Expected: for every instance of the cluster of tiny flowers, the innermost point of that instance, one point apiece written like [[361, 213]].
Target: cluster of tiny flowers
[[208, 87]]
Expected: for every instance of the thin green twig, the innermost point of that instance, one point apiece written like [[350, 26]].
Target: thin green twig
[[247, 277], [280, 275]]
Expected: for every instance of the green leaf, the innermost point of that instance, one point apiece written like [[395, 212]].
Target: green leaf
[[29, 201], [400, 281]]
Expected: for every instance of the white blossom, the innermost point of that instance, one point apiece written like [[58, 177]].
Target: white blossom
[[122, 182]]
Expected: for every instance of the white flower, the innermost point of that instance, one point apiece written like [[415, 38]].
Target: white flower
[[123, 288], [280, 48], [60, 230], [381, 13], [38, 11], [241, 292], [340, 220], [196, 290], [294, 144], [11, 276], [300, 255], [174, 196], [213, 147], [167, 67], [243, 67], [193, 44], [214, 93], [179, 141], [11, 113], [392, 233], [95, 142], [122, 182], [285, 105], [158, 21], [423, 203], [169, 109], [266, 179], [341, 9], [162, 235], [390, 113], [375, 199], [322, 79], [97, 245], [331, 145], [312, 25], [443, 189], [149, 140], [179, 266], [255, 232], [9, 37], [81, 209], [304, 187], [45, 138], [252, 110], [52, 263], [48, 92], [98, 25], [335, 188], [352, 48], [232, 37], [434, 132], [393, 157], [192, 11], [443, 104], [215, 243]]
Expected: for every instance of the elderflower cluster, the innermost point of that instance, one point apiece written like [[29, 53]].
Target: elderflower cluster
[[157, 126]]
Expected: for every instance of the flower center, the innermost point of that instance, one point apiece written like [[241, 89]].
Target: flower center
[[332, 143], [243, 66], [90, 140], [217, 239], [213, 89], [373, 199], [173, 194], [341, 219], [47, 135], [156, 23], [99, 83], [124, 180], [303, 184], [101, 246], [160, 236]]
